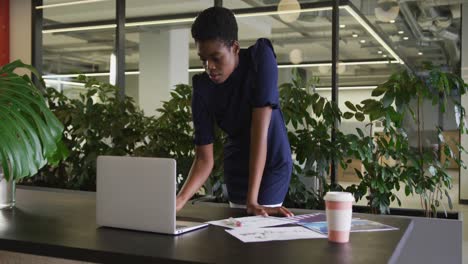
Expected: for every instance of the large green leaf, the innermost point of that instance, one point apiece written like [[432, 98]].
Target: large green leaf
[[350, 106], [379, 90], [30, 134], [359, 116]]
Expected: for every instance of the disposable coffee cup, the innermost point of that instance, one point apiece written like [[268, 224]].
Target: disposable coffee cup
[[339, 211]]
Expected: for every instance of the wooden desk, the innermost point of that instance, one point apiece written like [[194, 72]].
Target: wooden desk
[[62, 224]]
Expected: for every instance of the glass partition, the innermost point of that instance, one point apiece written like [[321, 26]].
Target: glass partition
[[374, 42], [57, 12], [78, 48]]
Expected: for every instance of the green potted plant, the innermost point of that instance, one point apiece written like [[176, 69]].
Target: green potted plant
[[30, 135], [422, 171], [309, 118], [97, 122]]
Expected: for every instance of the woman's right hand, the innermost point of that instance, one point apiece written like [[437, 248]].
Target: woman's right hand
[[179, 203], [198, 174], [256, 209]]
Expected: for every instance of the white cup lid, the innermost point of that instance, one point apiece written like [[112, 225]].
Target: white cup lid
[[339, 197]]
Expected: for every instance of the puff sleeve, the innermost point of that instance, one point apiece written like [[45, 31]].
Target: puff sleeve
[[265, 90], [202, 119]]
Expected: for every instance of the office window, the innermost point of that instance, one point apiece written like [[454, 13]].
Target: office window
[[71, 45], [374, 42]]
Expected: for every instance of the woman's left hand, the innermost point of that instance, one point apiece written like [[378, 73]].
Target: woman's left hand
[[256, 209]]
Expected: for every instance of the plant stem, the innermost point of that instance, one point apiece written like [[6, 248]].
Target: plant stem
[[436, 196], [431, 200], [421, 200], [419, 137]]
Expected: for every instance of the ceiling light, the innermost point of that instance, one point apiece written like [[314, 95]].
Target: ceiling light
[[349, 63], [368, 62], [379, 52], [58, 76], [364, 87], [405, 38], [306, 65], [196, 70], [420, 53], [401, 32], [342, 26], [392, 21], [78, 28], [132, 73], [269, 13], [355, 35], [47, 81], [289, 5], [385, 55], [387, 10], [113, 69], [371, 31], [295, 56], [69, 3], [91, 74], [362, 41], [160, 22]]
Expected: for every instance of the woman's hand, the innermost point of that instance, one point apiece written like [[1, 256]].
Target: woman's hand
[[256, 209], [179, 203], [199, 173]]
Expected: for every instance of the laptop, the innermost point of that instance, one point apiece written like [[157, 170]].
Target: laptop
[[140, 194]]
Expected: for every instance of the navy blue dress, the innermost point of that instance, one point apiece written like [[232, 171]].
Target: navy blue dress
[[252, 84]]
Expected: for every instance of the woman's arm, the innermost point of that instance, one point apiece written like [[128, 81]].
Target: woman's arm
[[265, 97], [199, 173], [258, 151]]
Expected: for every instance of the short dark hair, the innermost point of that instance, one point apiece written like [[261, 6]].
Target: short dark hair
[[215, 23]]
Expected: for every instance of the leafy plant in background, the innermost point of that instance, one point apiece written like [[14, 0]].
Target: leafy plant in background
[[431, 181], [30, 135], [101, 124], [420, 170], [171, 135], [379, 179], [310, 119], [97, 123]]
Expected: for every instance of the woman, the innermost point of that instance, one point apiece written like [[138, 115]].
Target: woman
[[238, 91]]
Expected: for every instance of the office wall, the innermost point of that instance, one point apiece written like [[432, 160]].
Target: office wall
[[20, 30], [464, 72], [4, 31]]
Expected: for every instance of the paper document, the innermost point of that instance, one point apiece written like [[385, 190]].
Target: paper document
[[308, 218], [247, 235], [357, 225], [251, 222]]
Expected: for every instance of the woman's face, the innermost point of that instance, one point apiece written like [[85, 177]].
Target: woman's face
[[218, 59]]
